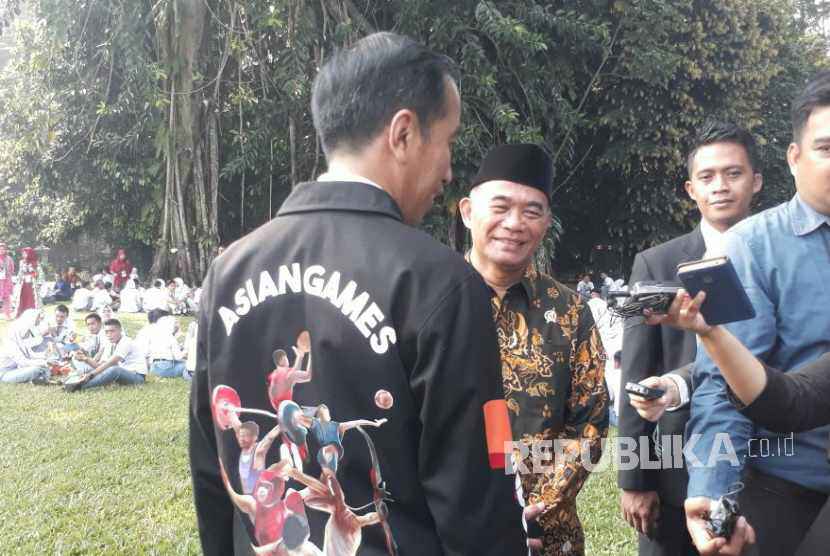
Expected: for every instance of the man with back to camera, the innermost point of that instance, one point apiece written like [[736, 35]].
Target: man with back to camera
[[781, 256], [723, 177], [389, 313], [551, 354]]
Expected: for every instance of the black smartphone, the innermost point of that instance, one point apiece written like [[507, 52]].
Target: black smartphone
[[726, 300], [637, 389]]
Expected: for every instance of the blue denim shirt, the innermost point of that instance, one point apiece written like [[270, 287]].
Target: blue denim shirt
[[782, 257]]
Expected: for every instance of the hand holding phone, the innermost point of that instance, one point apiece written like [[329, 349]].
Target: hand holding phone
[[637, 389]]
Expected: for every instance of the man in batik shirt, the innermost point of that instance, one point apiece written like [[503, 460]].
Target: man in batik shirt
[[552, 356]]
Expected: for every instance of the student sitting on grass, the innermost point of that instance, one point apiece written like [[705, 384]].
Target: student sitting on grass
[[61, 332], [119, 361], [82, 298], [23, 357], [176, 304], [167, 356], [85, 359], [155, 297], [130, 298], [144, 337], [100, 296], [61, 291]]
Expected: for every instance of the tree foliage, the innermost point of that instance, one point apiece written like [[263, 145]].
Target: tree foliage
[[180, 124]]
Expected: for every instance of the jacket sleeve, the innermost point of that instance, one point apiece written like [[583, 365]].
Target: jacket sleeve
[[587, 417], [455, 379], [714, 419], [685, 372], [640, 358], [795, 401], [214, 509]]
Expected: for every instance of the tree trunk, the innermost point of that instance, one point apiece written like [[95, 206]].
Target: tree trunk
[[185, 226]]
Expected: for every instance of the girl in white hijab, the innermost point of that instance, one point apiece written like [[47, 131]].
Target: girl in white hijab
[[130, 299], [23, 356], [180, 295]]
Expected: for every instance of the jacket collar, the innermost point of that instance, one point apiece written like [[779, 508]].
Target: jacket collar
[[694, 246], [339, 195]]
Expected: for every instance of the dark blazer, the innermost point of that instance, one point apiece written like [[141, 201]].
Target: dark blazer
[[654, 350]]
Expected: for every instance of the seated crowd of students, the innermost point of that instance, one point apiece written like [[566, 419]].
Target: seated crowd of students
[[50, 351], [132, 297]]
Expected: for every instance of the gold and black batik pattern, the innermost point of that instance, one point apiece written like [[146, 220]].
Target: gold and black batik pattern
[[554, 384]]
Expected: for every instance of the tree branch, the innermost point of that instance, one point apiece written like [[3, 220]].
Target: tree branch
[[589, 88]]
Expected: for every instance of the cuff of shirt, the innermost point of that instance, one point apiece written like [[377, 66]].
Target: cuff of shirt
[[682, 388], [711, 481]]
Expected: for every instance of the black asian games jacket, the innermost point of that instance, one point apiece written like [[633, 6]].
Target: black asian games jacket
[[400, 329]]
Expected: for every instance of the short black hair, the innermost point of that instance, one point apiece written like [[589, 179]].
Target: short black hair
[[618, 356], [93, 316], [113, 322], [155, 314], [62, 309], [816, 94], [717, 131], [359, 89]]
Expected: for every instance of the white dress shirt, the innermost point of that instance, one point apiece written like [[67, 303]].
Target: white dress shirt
[[714, 240]]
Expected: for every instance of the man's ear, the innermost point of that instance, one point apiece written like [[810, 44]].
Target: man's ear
[[690, 190], [758, 183], [793, 154], [465, 207], [403, 132]]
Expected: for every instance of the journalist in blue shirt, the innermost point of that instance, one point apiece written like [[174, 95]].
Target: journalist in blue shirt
[[782, 257]]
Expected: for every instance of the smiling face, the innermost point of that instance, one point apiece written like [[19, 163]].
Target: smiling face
[[722, 183], [809, 161], [507, 221]]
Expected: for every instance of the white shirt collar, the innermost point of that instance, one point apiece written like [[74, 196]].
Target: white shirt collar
[[342, 175], [713, 239]]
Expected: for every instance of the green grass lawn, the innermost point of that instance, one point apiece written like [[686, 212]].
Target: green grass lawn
[[105, 472]]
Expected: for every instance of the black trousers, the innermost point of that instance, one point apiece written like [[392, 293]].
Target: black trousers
[[671, 537], [817, 540], [781, 513]]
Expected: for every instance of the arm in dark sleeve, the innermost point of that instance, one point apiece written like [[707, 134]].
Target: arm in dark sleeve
[[456, 375], [685, 372], [214, 510], [640, 357], [796, 401]]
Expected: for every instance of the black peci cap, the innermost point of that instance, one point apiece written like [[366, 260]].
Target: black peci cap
[[525, 164]]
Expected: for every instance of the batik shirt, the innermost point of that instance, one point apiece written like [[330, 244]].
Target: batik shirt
[[553, 374]]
